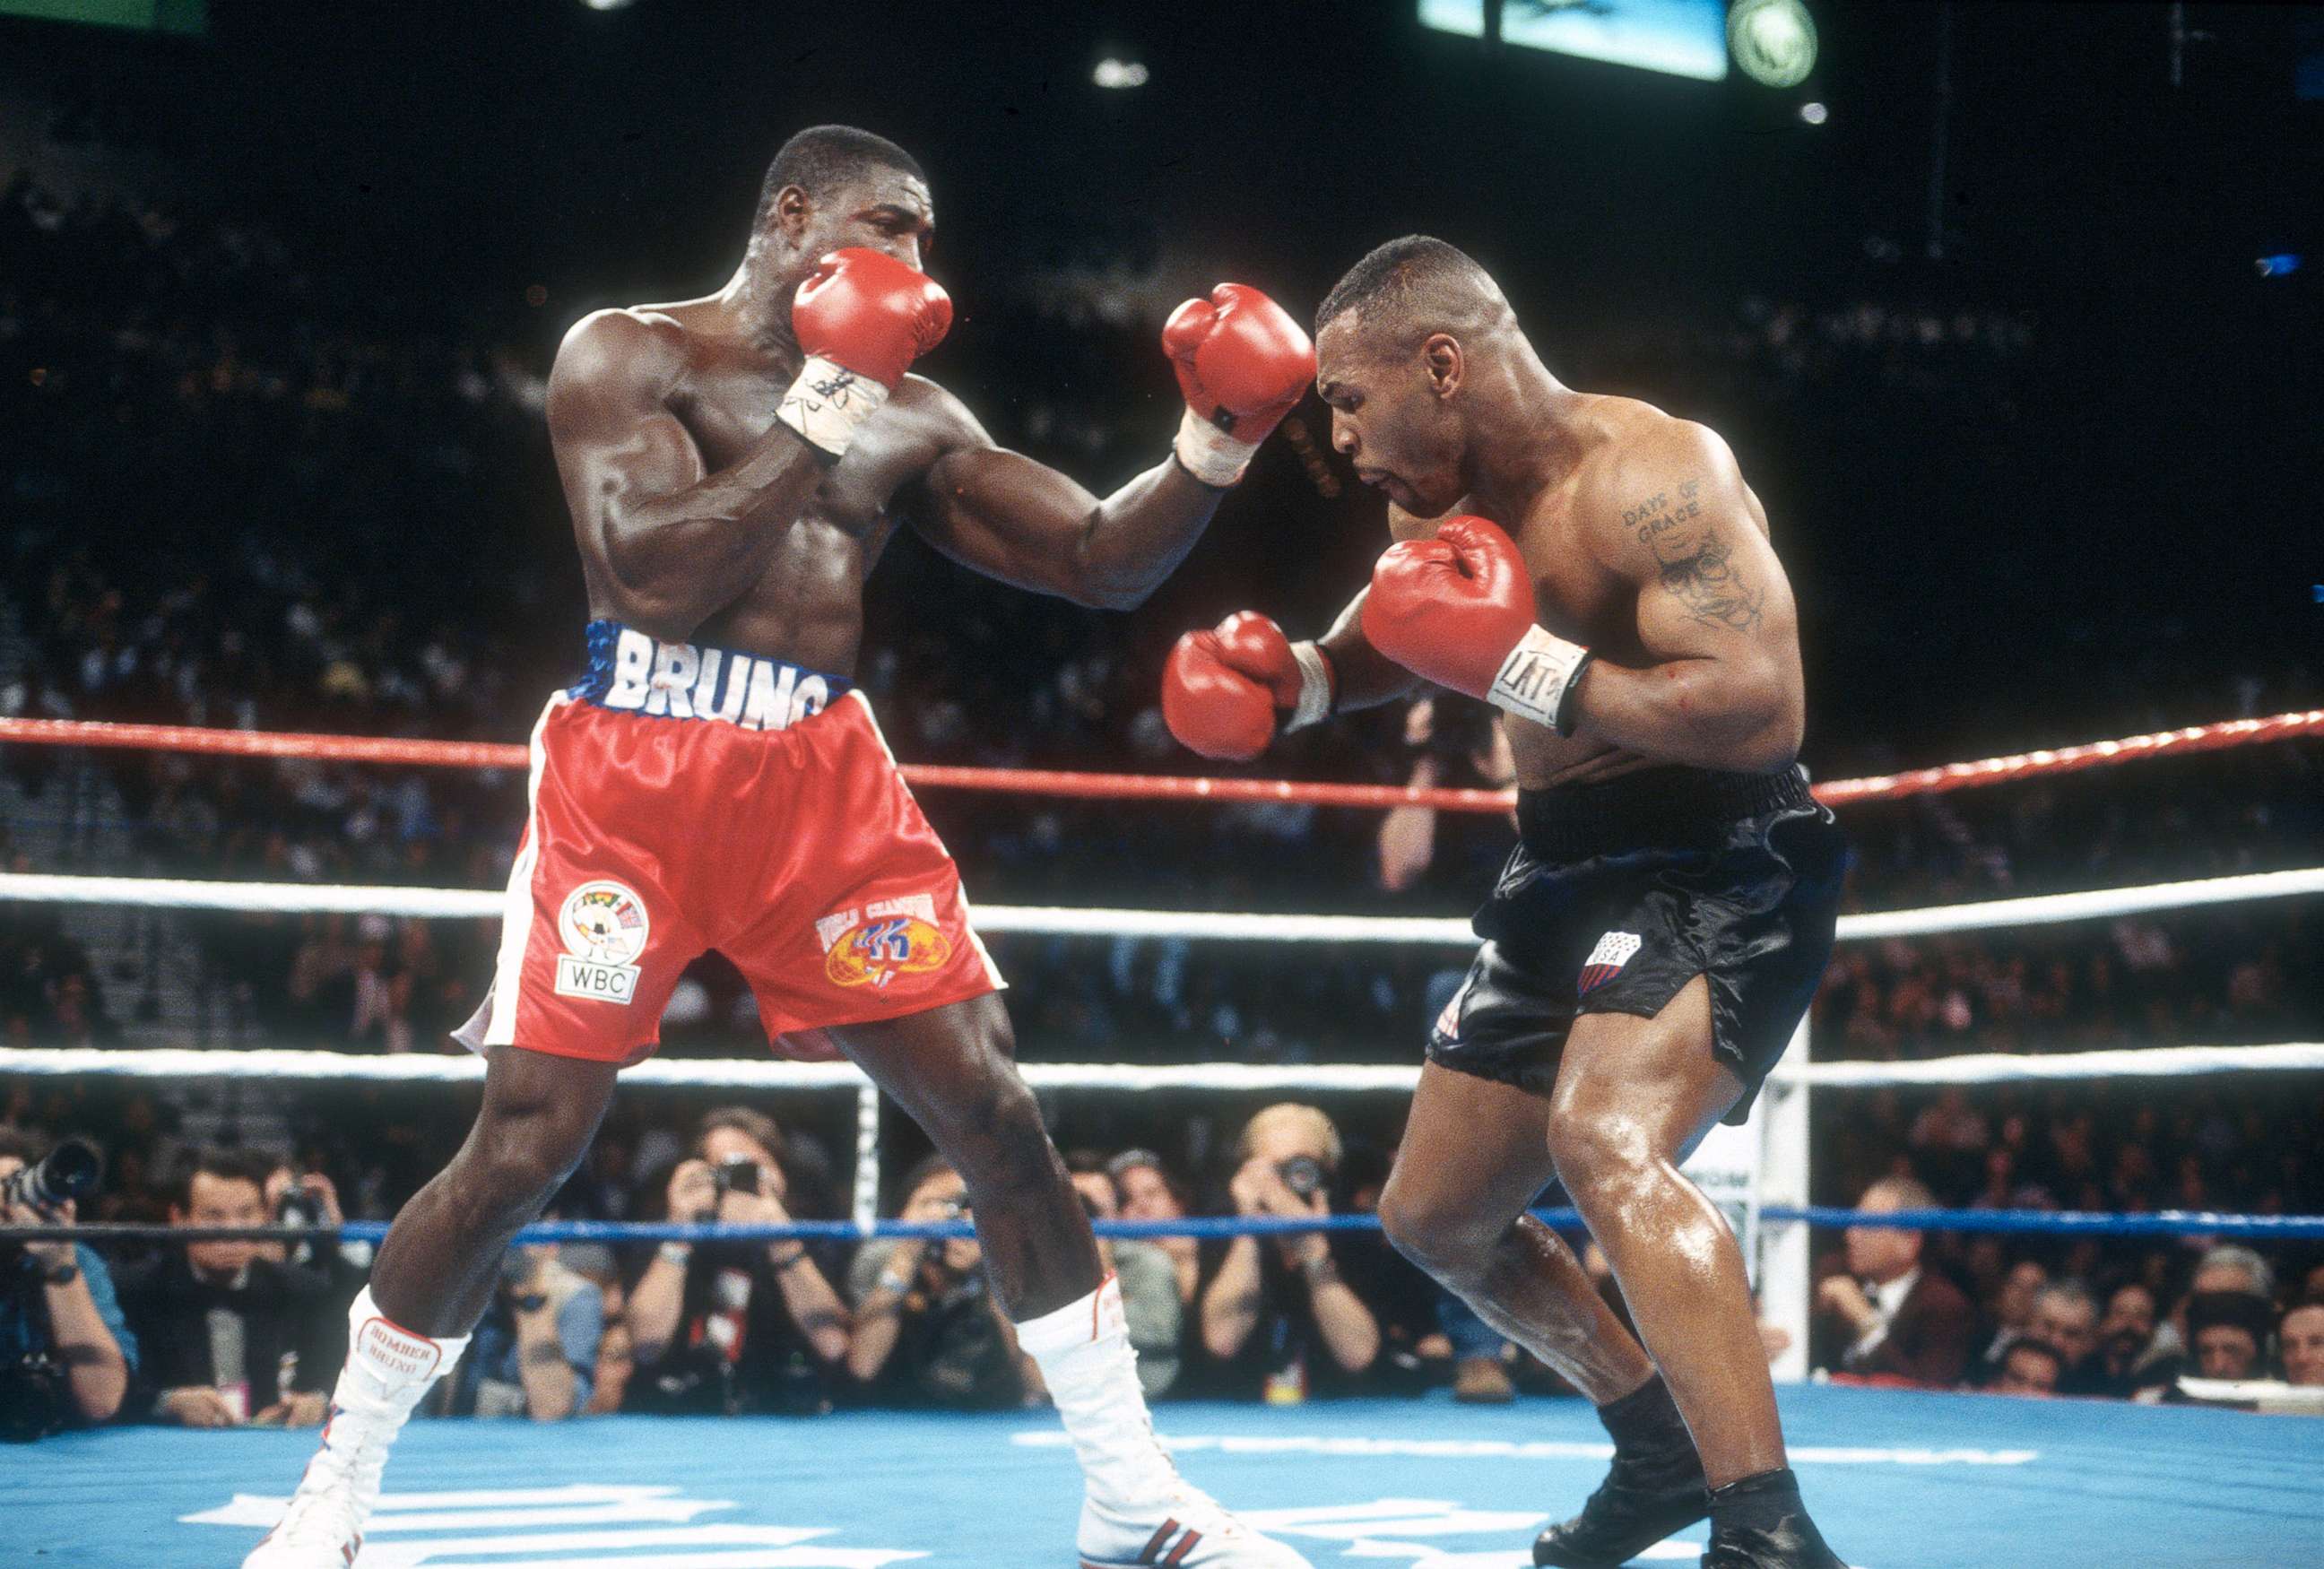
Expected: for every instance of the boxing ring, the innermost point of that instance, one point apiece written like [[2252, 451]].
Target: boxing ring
[[1899, 1481]]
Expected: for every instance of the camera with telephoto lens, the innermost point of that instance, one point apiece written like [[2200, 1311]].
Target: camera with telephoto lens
[[69, 1171], [737, 1175], [1303, 1175], [298, 1207]]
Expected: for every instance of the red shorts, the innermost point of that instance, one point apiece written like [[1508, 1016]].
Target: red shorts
[[683, 799]]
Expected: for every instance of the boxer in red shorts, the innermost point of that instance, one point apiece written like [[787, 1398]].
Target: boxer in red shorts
[[735, 466]]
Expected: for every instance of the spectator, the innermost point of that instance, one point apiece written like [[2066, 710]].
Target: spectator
[[928, 1331], [2232, 1268], [2029, 1367], [1891, 1319], [2065, 1316], [66, 1353], [2303, 1334], [1279, 1319], [295, 1198], [2228, 1333], [1147, 1192], [534, 1353], [1150, 1285], [2013, 1307], [227, 1335], [739, 1327], [2126, 1359]]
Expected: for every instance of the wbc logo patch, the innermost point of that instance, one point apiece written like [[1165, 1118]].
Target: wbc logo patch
[[604, 926], [1614, 950], [886, 938]]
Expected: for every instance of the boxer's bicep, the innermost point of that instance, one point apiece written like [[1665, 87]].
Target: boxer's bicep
[[618, 446], [1000, 514], [1676, 521]]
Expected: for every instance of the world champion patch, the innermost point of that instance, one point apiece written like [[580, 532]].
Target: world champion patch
[[888, 939], [603, 926], [1614, 950]]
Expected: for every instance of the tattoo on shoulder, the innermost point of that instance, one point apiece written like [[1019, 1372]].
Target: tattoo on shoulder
[[1695, 558]]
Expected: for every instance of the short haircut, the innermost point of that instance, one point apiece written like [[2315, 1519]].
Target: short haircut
[[743, 1120], [2070, 1291], [1327, 1132], [250, 1166], [1909, 1192], [823, 158], [1416, 275], [2228, 1256]]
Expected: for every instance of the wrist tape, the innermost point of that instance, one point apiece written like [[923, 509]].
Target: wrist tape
[[1537, 679], [1317, 684], [1209, 453], [828, 403]]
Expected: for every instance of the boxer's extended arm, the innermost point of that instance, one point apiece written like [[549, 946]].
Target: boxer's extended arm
[[668, 543], [1721, 687], [1367, 678], [1001, 513]]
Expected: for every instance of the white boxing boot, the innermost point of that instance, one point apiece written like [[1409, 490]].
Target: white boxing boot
[[1137, 1510], [388, 1368]]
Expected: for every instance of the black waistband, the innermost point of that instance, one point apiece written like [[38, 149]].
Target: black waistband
[[1656, 808]]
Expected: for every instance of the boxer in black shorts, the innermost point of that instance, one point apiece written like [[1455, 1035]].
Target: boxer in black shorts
[[1600, 571]]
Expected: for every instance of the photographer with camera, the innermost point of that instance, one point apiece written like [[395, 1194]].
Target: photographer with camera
[[66, 1353], [929, 1330], [226, 1330], [534, 1353], [1279, 1319], [735, 1326]]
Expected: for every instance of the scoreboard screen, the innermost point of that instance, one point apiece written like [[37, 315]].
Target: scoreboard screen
[[1685, 38], [189, 16]]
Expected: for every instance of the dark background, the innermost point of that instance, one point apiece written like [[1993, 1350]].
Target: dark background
[[1999, 551]]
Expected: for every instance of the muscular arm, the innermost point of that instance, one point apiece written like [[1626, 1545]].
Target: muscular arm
[[667, 542], [1002, 514], [1721, 685]]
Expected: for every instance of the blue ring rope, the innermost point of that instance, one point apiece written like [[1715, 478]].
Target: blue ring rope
[[2008, 1222]]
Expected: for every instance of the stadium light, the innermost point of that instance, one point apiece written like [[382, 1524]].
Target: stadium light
[[1815, 114], [1773, 41], [1120, 73]]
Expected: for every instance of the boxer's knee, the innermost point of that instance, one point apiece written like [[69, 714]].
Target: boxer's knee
[[1606, 1160], [1449, 1240]]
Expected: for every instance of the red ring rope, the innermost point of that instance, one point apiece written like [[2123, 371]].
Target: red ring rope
[[424, 753]]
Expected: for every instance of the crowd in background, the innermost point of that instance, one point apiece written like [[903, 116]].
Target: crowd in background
[[364, 536]]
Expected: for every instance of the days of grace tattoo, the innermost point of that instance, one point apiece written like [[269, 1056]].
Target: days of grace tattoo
[[1695, 557]]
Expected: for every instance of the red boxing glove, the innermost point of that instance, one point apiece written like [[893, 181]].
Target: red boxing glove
[[1243, 361], [862, 317], [1222, 689], [1458, 610]]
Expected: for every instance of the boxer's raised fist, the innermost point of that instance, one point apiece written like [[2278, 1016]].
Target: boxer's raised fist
[[1243, 363], [862, 317], [1224, 690]]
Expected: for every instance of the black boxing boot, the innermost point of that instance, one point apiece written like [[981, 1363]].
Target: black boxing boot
[[1760, 1523], [1656, 1487]]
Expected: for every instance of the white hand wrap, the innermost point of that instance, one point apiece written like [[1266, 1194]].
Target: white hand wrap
[[1315, 688], [828, 403], [1210, 454], [1538, 678]]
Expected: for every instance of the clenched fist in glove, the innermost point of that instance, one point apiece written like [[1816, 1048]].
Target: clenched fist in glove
[[1224, 691], [862, 317], [1243, 361], [1458, 610]]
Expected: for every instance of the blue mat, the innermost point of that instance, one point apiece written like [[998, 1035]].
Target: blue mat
[[1897, 1480]]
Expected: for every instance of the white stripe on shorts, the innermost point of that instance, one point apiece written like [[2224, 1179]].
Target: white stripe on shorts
[[516, 906]]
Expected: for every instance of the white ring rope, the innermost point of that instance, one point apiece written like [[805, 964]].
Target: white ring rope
[[180, 893], [758, 1074]]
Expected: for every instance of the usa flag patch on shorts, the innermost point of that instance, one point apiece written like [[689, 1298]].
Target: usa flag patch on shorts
[[1614, 950]]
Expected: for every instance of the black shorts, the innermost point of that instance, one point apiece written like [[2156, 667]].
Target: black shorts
[[1620, 893]]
